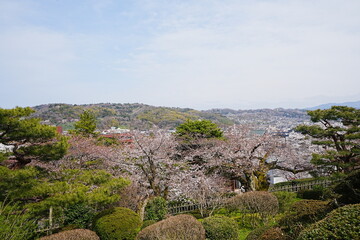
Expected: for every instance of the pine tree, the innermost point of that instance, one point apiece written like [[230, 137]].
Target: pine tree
[[338, 130], [87, 124], [30, 139]]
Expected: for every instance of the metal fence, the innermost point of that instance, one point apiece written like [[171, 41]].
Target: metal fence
[[298, 186]]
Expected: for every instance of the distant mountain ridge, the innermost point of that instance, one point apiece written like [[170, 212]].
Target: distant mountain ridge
[[329, 105], [128, 115]]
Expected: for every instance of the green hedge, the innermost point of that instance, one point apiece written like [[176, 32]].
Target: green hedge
[[303, 213], [348, 190], [220, 228], [342, 223], [117, 224]]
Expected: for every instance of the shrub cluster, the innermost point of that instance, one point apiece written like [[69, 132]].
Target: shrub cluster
[[342, 223], [348, 190], [117, 224], [256, 233], [317, 193], [220, 228], [303, 213], [274, 233], [261, 202], [285, 199], [174, 228], [267, 233], [83, 234], [79, 215], [156, 209]]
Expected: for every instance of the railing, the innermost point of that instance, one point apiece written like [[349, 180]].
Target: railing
[[181, 208], [298, 186]]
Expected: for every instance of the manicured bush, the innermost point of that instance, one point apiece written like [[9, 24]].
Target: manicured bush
[[348, 190], [274, 233], [267, 233], [156, 209], [83, 234], [342, 223], [256, 233], [174, 228], [264, 203], [317, 193], [285, 199], [220, 228], [303, 213], [117, 224]]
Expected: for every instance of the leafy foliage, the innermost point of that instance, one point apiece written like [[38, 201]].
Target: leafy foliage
[[303, 213], [342, 223], [318, 192], [285, 199], [220, 228], [174, 228], [156, 209], [31, 139], [14, 224], [348, 190], [120, 224], [79, 215], [338, 132]]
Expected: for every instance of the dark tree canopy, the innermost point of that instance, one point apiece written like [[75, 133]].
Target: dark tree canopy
[[30, 139], [338, 130], [198, 129]]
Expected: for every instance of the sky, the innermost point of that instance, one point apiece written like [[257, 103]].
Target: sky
[[201, 54]]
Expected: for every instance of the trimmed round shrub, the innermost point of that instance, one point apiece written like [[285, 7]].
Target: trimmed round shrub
[[174, 228], [220, 228], [267, 233], [256, 233], [264, 203], [342, 223], [156, 209], [274, 233], [348, 190], [117, 224], [303, 213], [83, 234]]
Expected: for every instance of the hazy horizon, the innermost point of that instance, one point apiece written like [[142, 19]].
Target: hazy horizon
[[198, 54]]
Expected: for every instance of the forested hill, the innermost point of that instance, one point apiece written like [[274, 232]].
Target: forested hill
[[134, 115]]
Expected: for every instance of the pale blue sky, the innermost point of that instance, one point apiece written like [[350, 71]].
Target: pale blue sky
[[200, 54]]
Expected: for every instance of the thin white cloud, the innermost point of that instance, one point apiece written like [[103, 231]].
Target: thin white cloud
[[198, 54]]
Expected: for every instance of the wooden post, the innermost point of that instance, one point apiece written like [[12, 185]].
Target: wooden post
[[50, 219]]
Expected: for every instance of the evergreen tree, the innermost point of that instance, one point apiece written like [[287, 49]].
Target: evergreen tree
[[30, 139], [338, 130], [198, 129], [87, 124]]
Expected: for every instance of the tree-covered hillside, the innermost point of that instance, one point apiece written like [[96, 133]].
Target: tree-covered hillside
[[135, 116]]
